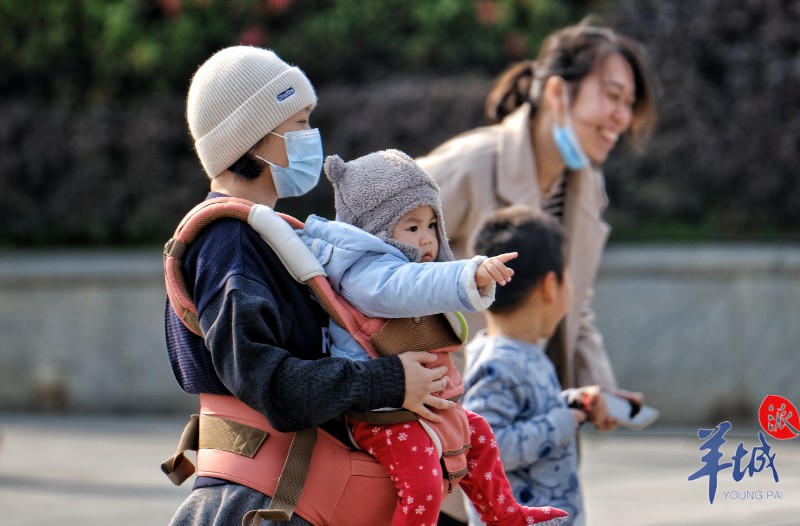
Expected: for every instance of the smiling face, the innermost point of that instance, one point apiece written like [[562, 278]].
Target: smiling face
[[418, 229], [603, 107]]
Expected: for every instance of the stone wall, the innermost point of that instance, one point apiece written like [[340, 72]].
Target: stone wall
[[84, 332], [705, 331]]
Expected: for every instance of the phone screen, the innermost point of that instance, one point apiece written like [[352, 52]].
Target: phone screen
[[628, 414]]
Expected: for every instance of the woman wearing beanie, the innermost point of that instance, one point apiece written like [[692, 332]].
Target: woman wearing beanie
[[263, 343], [388, 256], [553, 122]]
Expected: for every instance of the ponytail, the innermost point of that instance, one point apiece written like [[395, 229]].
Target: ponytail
[[573, 53], [510, 91]]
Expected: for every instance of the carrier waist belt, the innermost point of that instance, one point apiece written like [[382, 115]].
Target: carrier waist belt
[[238, 444]]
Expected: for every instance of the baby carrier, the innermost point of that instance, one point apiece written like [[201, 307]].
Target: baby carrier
[[310, 471]]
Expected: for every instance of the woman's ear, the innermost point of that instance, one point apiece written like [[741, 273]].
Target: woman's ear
[[553, 94]]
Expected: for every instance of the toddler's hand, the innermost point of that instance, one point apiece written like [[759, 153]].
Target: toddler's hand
[[494, 270], [579, 415], [596, 409]]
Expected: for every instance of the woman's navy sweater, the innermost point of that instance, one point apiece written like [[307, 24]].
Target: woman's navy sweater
[[264, 337]]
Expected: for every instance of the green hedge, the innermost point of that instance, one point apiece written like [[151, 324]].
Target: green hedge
[[83, 51], [93, 142], [723, 162], [94, 148], [124, 173]]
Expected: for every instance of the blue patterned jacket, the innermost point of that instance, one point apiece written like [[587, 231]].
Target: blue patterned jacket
[[513, 385]]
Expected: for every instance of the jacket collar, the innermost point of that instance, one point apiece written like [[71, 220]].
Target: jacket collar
[[516, 163], [516, 167]]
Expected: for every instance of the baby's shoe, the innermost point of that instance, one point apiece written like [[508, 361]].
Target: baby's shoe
[[525, 515], [544, 516]]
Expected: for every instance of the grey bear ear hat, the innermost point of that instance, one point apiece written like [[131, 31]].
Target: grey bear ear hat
[[374, 191]]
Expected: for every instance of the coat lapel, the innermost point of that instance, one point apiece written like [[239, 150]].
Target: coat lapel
[[516, 168], [584, 203]]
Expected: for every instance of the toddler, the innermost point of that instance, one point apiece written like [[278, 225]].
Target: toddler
[[387, 254], [509, 379]]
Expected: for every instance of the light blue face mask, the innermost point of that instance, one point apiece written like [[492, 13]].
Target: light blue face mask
[[567, 142], [304, 151]]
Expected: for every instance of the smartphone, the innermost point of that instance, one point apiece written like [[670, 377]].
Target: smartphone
[[627, 413]]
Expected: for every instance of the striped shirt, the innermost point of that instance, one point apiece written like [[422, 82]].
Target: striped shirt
[[553, 204]]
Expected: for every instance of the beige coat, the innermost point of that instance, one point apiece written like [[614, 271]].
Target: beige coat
[[492, 167]]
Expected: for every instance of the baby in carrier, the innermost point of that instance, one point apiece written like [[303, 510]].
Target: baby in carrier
[[387, 254]]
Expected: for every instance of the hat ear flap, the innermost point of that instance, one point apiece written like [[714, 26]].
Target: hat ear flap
[[335, 168]]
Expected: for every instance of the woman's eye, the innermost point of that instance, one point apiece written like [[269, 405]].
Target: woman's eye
[[619, 98]]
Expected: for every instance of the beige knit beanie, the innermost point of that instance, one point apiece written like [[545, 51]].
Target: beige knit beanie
[[236, 98], [374, 191]]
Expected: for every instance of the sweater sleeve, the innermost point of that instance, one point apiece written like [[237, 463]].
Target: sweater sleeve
[[240, 328], [255, 331]]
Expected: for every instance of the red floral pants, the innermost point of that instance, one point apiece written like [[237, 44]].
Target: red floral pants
[[410, 458]]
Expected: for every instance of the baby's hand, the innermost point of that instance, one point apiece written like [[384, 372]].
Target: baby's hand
[[494, 270]]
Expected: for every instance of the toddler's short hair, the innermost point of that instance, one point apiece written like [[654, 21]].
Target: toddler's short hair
[[536, 236]]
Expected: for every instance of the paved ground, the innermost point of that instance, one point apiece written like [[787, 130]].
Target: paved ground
[[93, 471]]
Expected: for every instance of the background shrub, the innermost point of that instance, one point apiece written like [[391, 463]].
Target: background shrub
[[125, 172], [94, 148], [722, 163]]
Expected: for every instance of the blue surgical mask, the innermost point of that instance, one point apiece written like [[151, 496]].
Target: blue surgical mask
[[567, 142], [304, 151]]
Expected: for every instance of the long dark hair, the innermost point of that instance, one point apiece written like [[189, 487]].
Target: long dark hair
[[573, 53]]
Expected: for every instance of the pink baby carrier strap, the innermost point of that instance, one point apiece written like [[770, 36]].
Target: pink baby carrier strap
[[338, 480], [453, 431], [190, 226]]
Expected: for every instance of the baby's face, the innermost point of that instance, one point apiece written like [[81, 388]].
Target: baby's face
[[418, 229]]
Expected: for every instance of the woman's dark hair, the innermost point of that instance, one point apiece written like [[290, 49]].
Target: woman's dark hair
[[573, 53], [248, 167], [536, 236]]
